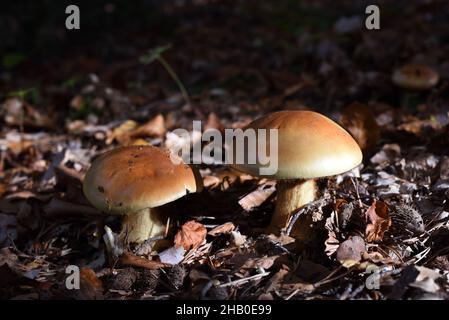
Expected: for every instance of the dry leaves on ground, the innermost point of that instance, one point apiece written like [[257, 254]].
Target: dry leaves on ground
[[378, 221], [191, 235]]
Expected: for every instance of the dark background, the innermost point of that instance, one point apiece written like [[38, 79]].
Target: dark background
[[253, 49]]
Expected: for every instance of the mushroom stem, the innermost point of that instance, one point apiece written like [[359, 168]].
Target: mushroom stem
[[291, 195], [142, 225]]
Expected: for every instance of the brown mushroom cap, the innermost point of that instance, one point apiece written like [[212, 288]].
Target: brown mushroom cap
[[415, 77], [310, 145], [129, 179]]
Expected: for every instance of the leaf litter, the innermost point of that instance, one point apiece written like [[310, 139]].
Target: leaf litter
[[389, 218]]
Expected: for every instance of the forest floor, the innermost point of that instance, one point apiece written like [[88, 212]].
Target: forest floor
[[379, 232]]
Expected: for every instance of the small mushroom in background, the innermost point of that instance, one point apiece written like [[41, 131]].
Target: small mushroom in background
[[310, 146], [415, 77], [133, 181], [416, 80]]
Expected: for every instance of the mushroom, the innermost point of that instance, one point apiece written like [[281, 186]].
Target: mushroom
[[415, 77], [310, 146], [133, 181]]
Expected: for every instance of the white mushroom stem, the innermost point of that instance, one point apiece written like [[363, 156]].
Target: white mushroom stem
[[291, 195], [140, 226]]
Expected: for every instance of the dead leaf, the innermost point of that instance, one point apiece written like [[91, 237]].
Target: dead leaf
[[281, 239], [378, 220], [172, 255], [426, 280], [91, 288], [77, 102], [153, 128], [258, 196], [359, 120], [191, 235], [138, 142], [238, 239], [265, 296], [121, 133], [18, 112], [7, 257], [225, 178], [129, 259], [339, 203], [2, 189], [224, 228], [331, 243], [416, 126], [350, 251], [210, 182]]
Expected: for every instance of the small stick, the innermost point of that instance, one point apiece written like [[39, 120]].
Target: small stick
[[130, 259], [292, 294], [167, 225], [312, 205], [356, 187], [244, 280]]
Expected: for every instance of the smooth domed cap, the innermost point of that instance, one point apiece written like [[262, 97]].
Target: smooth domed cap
[[129, 179], [310, 145], [415, 77]]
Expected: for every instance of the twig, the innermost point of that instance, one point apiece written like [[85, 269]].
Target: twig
[[307, 208], [291, 295], [356, 187], [328, 278], [422, 255], [244, 280], [167, 225]]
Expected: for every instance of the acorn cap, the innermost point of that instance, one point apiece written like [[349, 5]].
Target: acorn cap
[[310, 145], [129, 179], [415, 77]]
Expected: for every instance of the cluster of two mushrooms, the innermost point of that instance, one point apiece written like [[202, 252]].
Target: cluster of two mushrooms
[[133, 181]]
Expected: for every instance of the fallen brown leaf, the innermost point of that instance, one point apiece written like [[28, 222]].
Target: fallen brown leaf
[[18, 112], [225, 178], [121, 133], [359, 120], [350, 251], [258, 196], [2, 189], [211, 182], [224, 228], [416, 126], [91, 288], [153, 128], [378, 221], [191, 235], [129, 259]]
